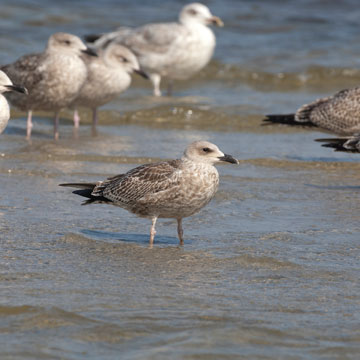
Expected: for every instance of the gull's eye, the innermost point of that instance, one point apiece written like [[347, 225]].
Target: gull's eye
[[123, 59], [67, 42], [192, 12], [206, 150]]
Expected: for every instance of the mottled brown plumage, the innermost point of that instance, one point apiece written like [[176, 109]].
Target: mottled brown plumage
[[170, 189], [339, 113], [108, 76], [53, 77]]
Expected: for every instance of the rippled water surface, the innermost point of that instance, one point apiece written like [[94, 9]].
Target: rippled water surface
[[269, 270]]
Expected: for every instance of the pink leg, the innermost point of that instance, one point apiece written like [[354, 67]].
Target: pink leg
[[76, 123], [155, 80], [56, 125], [29, 125], [94, 122], [152, 230], [180, 231], [76, 119]]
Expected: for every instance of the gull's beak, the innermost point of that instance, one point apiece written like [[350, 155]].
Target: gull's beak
[[20, 89], [141, 73], [228, 158], [90, 52], [215, 20]]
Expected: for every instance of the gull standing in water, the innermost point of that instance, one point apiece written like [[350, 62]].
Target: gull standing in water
[[174, 50], [339, 113], [5, 86], [109, 75], [53, 77], [170, 189]]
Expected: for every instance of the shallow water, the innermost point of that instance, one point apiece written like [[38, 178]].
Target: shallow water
[[269, 270]]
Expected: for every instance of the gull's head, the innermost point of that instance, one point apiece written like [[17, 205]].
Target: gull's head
[[7, 85], [68, 43], [196, 13], [117, 55], [207, 153]]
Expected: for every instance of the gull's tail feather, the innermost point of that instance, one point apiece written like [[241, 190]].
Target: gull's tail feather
[[86, 190], [286, 119], [80, 185]]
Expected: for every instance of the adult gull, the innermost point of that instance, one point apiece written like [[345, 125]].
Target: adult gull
[[175, 50]]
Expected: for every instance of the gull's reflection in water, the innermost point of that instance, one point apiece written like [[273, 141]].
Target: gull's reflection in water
[[140, 239]]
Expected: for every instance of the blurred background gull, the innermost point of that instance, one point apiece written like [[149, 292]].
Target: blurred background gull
[[270, 56]]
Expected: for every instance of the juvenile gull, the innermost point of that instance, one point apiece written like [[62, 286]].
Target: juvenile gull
[[170, 189], [108, 75], [53, 77], [174, 50], [5, 86], [339, 113], [346, 144]]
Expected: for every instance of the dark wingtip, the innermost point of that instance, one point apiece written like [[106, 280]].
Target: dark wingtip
[[79, 185], [17, 88], [66, 185], [91, 38], [341, 144], [332, 145], [328, 140], [286, 119], [280, 118], [339, 147]]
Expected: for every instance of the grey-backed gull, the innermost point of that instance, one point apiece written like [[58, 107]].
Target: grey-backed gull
[[174, 50], [339, 113], [169, 189], [53, 77], [5, 86]]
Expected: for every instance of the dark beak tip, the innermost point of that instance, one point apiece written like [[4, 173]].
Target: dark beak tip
[[90, 52], [230, 159], [142, 73]]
